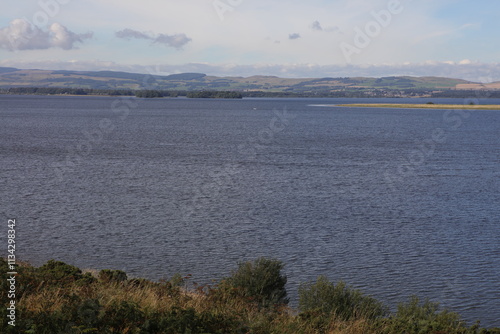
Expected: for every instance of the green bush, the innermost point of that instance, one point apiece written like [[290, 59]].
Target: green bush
[[171, 288], [123, 317], [490, 331], [108, 276], [60, 273], [261, 281], [88, 313], [58, 270], [44, 322], [324, 299], [4, 265], [414, 317], [179, 320]]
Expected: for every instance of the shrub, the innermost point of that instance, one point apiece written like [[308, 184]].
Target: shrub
[[58, 270], [490, 331], [416, 318], [108, 276], [180, 320], [88, 313], [123, 317], [171, 288], [4, 266], [60, 273], [261, 281], [324, 298]]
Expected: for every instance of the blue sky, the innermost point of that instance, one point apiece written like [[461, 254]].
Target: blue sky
[[317, 38]]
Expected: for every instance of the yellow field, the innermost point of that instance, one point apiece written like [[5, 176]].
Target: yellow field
[[424, 106]]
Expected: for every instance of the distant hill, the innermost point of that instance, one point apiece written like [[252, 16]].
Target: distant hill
[[13, 77]]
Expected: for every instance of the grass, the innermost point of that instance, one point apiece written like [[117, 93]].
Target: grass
[[423, 106], [60, 298]]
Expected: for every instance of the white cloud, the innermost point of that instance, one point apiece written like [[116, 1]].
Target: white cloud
[[176, 41], [21, 35], [316, 25], [130, 33]]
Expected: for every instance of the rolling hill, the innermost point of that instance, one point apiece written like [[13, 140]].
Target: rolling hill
[[13, 77]]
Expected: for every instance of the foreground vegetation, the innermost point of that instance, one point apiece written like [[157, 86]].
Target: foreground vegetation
[[60, 298]]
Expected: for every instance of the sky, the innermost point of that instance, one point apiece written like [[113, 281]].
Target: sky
[[314, 38]]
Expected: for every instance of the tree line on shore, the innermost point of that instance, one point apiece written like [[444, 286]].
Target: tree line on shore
[[350, 93], [148, 93]]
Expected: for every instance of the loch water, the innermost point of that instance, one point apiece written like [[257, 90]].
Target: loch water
[[395, 202]]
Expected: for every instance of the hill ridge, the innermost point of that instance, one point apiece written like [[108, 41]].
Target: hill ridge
[[13, 77]]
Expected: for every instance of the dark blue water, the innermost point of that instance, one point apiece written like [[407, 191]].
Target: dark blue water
[[395, 202]]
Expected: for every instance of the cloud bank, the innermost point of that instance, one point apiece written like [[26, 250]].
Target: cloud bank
[[175, 41], [21, 35]]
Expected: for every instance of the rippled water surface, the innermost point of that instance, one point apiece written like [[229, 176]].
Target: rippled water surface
[[394, 202]]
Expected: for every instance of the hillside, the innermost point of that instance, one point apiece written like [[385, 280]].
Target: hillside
[[12, 77]]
